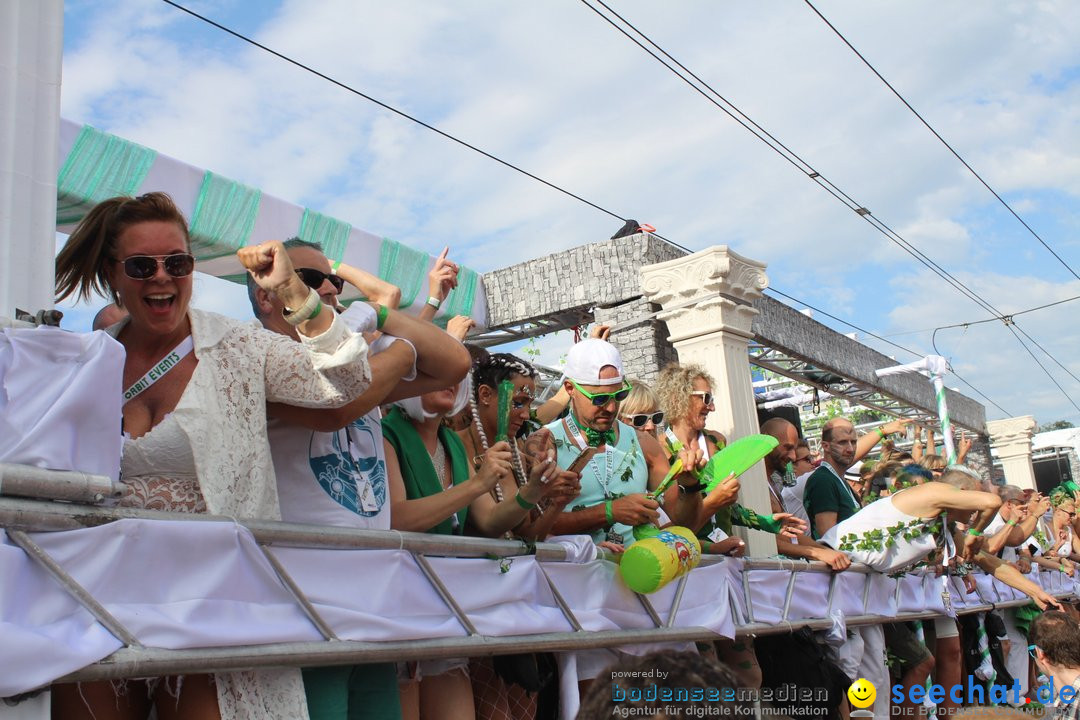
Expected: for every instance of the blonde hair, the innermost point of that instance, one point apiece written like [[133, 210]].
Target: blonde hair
[[933, 463], [642, 399], [961, 476], [674, 386]]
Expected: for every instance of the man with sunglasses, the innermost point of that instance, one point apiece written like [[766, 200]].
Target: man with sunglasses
[[330, 464], [628, 463]]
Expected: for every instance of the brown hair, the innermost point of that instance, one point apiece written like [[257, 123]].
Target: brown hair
[[1058, 636], [80, 266]]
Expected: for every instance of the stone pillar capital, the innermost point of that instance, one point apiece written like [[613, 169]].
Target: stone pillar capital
[[1011, 440], [1011, 435], [727, 282]]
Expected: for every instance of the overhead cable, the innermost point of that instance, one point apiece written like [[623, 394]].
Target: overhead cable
[[943, 141]]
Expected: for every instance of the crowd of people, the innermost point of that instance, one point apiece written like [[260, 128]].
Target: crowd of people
[[368, 417]]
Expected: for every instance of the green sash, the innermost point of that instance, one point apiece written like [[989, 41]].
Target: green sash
[[418, 472]]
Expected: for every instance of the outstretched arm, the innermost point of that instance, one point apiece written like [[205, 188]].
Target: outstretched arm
[[1012, 577]]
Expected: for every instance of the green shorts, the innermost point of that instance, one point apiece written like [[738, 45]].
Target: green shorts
[[902, 642], [353, 692]]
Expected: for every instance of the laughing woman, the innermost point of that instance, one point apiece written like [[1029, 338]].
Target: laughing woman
[[195, 439]]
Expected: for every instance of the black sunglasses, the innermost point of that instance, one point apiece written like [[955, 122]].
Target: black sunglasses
[[144, 267], [315, 278], [642, 419]]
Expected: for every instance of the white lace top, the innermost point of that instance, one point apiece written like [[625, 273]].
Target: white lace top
[[158, 471], [222, 414]]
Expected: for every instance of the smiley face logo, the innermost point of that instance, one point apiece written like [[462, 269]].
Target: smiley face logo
[[862, 693]]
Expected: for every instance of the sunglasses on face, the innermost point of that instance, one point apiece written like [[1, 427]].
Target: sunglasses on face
[[144, 267], [643, 419], [705, 395], [315, 278], [602, 399]]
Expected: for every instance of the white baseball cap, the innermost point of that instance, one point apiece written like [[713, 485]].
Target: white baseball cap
[[587, 358]]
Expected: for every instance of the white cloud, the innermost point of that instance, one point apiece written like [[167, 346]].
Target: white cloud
[[555, 90]]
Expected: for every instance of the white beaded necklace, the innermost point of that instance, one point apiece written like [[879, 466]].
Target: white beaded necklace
[[515, 457]]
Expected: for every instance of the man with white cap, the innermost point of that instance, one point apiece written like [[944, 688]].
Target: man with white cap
[[627, 464]]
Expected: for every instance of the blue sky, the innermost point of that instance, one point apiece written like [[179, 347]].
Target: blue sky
[[552, 88]]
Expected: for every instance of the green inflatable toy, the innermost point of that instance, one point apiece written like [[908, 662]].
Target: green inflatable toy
[[652, 563]]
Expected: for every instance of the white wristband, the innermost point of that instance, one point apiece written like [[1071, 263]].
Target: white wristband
[[298, 315], [434, 302]]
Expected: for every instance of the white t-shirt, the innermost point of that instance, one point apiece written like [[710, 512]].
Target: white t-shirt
[[793, 497], [332, 478]]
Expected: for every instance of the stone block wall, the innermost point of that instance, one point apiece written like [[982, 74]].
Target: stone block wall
[[644, 348], [599, 274]]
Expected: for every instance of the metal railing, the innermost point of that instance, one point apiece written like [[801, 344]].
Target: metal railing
[[20, 516]]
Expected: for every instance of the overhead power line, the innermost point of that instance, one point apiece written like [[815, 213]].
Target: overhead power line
[[390, 108], [887, 342], [836, 192], [709, 93], [943, 141], [969, 323]]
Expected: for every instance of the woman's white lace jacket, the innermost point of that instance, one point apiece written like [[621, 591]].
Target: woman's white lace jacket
[[223, 410]]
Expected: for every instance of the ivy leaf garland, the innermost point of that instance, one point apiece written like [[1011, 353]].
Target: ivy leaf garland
[[878, 539]]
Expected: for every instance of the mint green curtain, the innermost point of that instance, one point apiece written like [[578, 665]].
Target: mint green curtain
[[404, 267], [460, 300], [224, 216], [332, 234], [99, 166]]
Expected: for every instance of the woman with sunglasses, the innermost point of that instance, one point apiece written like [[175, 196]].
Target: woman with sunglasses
[[1066, 544], [685, 393], [194, 417], [641, 410]]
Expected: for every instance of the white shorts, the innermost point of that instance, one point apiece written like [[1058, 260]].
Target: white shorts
[[945, 627]]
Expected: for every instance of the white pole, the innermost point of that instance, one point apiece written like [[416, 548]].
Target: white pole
[[31, 50]]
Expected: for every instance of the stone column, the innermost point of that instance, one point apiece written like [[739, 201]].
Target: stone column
[[715, 333], [1011, 438], [32, 35]]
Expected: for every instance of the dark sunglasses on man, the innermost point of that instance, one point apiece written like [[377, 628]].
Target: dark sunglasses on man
[[144, 267], [315, 278]]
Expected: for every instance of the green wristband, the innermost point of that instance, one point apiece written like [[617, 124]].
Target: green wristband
[[315, 313], [380, 315], [881, 433], [523, 503], [609, 513], [974, 533], [335, 266], [1010, 523]]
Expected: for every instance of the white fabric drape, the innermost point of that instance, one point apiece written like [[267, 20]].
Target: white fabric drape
[[60, 400], [191, 584]]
